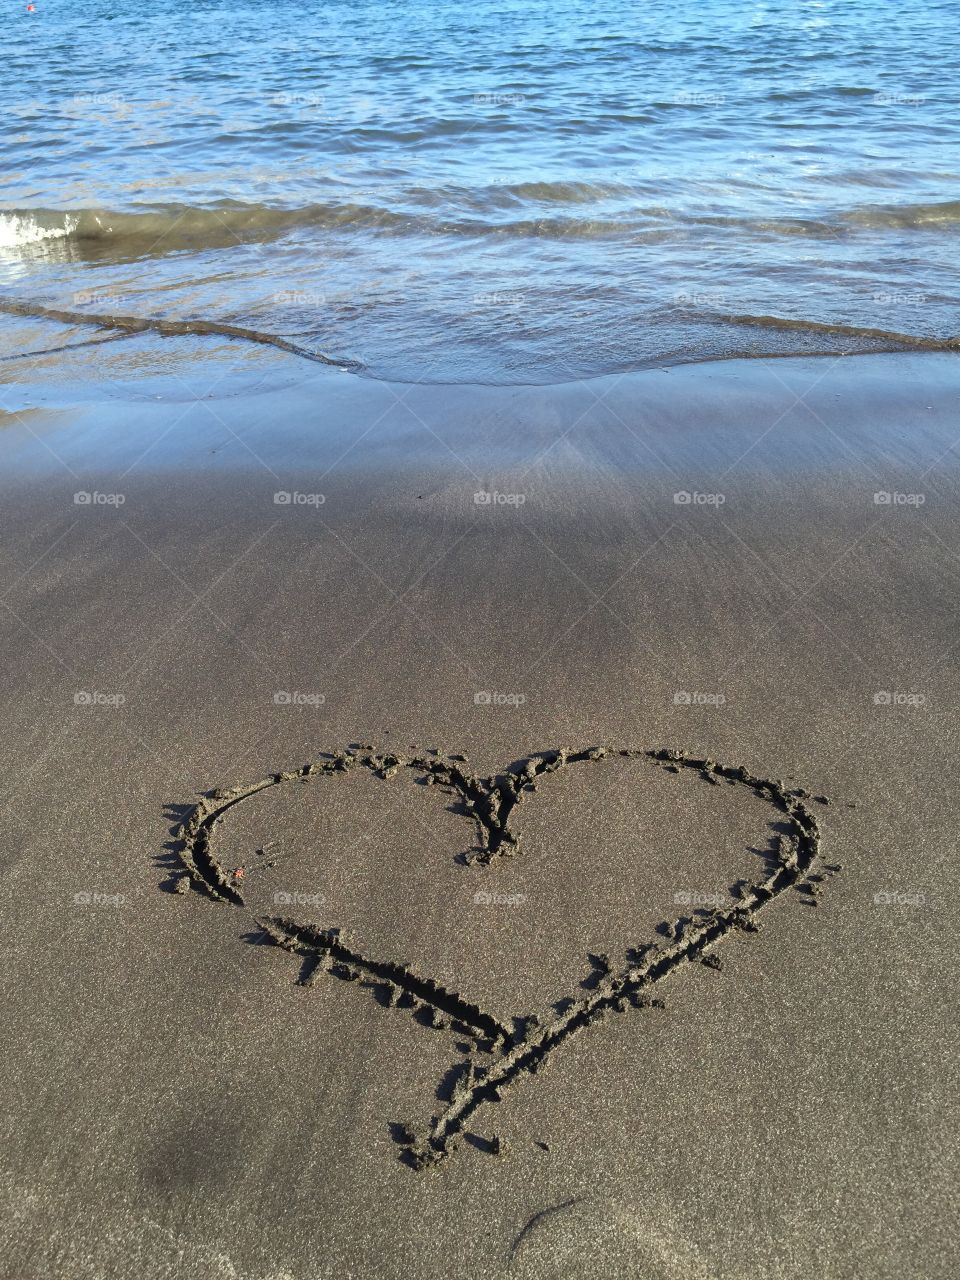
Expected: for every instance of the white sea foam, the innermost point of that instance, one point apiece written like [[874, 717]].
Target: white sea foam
[[18, 230]]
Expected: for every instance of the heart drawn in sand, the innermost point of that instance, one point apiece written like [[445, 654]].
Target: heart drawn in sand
[[499, 1055]]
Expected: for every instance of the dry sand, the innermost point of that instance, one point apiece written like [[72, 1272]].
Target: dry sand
[[179, 1105]]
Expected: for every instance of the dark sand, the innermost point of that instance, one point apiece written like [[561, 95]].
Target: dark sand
[[178, 1106]]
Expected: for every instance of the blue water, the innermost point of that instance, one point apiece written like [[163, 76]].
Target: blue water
[[499, 192]]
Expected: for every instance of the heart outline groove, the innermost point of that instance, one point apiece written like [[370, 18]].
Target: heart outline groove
[[796, 858]]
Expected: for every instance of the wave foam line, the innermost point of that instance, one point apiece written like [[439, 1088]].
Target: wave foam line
[[21, 229], [840, 330], [203, 328]]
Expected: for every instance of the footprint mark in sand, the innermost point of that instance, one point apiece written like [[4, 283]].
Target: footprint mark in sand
[[510, 1053]]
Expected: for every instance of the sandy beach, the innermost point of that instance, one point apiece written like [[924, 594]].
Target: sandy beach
[[395, 605]]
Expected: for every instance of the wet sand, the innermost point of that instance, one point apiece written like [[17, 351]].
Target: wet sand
[[543, 1011]]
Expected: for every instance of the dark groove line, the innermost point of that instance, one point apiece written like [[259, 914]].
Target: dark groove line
[[202, 328], [490, 802], [69, 346], [532, 1222], [843, 330], [309, 940]]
